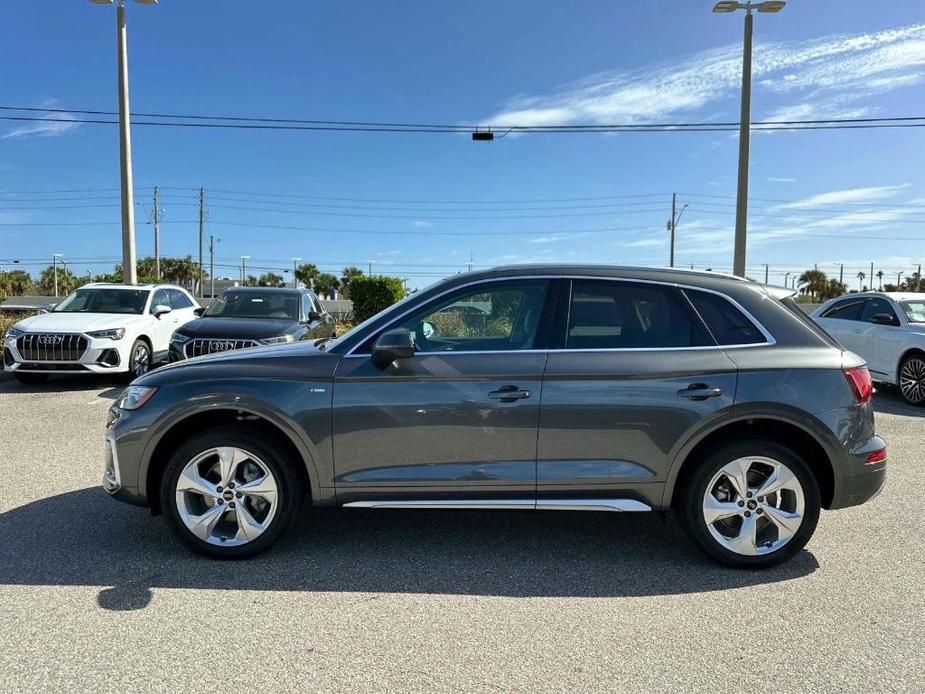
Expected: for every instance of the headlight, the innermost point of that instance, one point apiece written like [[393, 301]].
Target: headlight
[[112, 334], [274, 340], [180, 338], [15, 332], [134, 397]]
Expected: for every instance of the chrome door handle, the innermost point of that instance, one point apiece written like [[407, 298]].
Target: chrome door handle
[[700, 391], [509, 394]]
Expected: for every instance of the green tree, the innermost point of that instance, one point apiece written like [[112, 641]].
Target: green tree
[[250, 281], [879, 279], [270, 279], [371, 295], [814, 283], [325, 283], [46, 283], [16, 283], [346, 277], [306, 273], [834, 288], [861, 277]]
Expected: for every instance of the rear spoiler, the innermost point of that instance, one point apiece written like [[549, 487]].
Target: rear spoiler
[[779, 293]]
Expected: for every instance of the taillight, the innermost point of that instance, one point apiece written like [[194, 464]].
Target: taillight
[[858, 379], [877, 457]]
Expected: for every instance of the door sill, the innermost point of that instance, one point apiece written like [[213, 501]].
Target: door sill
[[621, 505]]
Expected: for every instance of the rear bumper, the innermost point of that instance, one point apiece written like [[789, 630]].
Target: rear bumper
[[861, 480]]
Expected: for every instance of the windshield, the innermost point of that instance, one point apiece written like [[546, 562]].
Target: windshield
[[914, 310], [255, 305], [104, 300]]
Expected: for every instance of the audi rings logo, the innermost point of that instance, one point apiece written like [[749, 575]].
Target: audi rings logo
[[51, 339], [221, 346]]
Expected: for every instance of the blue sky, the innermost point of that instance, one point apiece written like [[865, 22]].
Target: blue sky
[[849, 197]]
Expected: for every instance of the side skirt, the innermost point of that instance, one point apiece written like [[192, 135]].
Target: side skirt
[[508, 504]]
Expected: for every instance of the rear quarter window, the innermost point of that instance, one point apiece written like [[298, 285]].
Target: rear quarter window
[[727, 323]]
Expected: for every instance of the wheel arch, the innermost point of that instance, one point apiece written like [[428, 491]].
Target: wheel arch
[[907, 352], [804, 442], [158, 451]]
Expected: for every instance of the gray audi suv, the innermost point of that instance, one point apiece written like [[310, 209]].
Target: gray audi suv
[[585, 388]]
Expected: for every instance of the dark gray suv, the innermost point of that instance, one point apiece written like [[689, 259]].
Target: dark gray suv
[[532, 387]]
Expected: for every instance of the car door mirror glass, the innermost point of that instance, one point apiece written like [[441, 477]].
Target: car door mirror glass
[[160, 310], [392, 345], [199, 311], [884, 319]]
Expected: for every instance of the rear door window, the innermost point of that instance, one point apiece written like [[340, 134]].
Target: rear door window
[[849, 309], [877, 305], [629, 315], [178, 299], [727, 323]]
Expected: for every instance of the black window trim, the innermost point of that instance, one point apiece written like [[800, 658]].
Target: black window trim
[[841, 303], [564, 281]]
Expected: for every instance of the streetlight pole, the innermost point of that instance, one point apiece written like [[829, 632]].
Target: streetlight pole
[[244, 259], [212, 266], [673, 225], [129, 269], [54, 262], [157, 239], [295, 267], [738, 258], [370, 263]]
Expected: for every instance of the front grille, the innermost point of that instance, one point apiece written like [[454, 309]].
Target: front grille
[[52, 346], [201, 346]]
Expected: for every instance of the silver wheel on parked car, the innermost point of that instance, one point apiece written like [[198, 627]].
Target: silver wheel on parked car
[[754, 506], [912, 380], [226, 496], [140, 360]]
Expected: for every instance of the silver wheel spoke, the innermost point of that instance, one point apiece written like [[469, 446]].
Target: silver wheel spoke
[[787, 523], [737, 474], [248, 527], [745, 542], [264, 488], [191, 481], [782, 478], [228, 459], [714, 510], [202, 526]]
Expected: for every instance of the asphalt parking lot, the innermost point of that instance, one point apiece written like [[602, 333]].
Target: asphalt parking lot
[[97, 596]]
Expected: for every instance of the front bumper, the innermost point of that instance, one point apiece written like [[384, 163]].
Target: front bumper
[[101, 356], [120, 473]]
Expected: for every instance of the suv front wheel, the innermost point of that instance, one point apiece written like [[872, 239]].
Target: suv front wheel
[[229, 492], [751, 504]]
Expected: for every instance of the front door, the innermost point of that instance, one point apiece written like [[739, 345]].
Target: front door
[[458, 419], [880, 343], [631, 369]]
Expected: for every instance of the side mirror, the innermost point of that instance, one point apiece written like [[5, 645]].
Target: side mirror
[[884, 319], [392, 345], [160, 310], [313, 316], [199, 310]]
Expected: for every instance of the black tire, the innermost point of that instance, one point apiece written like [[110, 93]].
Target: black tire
[[30, 379], [135, 369], [274, 456], [913, 369], [691, 496]]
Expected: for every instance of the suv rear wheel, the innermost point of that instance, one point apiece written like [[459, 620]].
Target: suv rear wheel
[[751, 504], [229, 493]]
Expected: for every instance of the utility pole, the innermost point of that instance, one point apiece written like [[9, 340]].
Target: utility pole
[[470, 263], [244, 270], [54, 262], [202, 221], [786, 279], [157, 239], [212, 266], [898, 275], [129, 269], [673, 225], [871, 274], [765, 273], [370, 264], [841, 273], [295, 267], [918, 278]]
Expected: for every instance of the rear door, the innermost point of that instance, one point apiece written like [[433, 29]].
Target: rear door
[[842, 320], [630, 371]]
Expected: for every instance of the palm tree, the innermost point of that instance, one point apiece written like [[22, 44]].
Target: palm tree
[[814, 283], [880, 279], [861, 277]]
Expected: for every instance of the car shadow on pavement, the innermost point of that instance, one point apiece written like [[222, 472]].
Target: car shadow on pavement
[[67, 384], [83, 538], [888, 400]]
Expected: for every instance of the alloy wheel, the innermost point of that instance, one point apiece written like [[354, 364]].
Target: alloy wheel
[[226, 496], [912, 380], [140, 360], [754, 506]]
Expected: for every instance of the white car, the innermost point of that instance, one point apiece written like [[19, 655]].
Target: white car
[[888, 330], [99, 328]]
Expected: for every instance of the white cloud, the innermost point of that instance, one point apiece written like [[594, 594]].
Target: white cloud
[[832, 74], [780, 179], [555, 238], [45, 129], [421, 224], [852, 195], [645, 243]]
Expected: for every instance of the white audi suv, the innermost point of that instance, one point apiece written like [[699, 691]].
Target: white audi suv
[[99, 328], [887, 329]]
